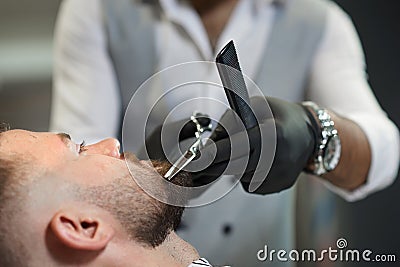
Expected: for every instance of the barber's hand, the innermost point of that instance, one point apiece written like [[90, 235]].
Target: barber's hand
[[295, 143], [155, 150]]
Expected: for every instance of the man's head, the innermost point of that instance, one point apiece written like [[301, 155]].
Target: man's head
[[65, 203]]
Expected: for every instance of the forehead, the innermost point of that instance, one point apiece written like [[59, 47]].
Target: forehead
[[11, 136], [35, 151], [25, 142]]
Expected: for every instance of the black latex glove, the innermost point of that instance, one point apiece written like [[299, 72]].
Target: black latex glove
[[295, 143], [183, 129]]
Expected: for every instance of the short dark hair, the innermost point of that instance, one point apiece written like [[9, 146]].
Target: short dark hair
[[8, 169], [9, 257]]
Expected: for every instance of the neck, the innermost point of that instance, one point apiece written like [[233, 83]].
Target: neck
[[180, 250], [214, 15]]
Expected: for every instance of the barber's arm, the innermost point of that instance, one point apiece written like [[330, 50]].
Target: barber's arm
[[338, 82], [339, 153], [355, 157]]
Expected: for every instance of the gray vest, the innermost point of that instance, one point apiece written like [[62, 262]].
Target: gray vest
[[293, 40]]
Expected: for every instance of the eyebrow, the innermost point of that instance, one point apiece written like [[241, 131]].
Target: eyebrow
[[65, 138]]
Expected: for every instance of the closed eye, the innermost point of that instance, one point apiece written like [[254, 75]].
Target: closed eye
[[82, 147]]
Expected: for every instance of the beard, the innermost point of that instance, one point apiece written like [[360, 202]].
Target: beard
[[145, 219]]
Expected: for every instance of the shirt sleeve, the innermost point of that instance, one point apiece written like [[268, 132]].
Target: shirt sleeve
[[338, 81], [86, 101]]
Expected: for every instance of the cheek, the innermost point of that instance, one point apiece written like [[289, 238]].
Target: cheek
[[53, 155], [99, 173], [93, 176], [49, 160]]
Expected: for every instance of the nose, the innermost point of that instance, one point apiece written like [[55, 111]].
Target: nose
[[108, 147]]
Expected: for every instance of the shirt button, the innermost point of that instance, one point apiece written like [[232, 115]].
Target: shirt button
[[227, 229]]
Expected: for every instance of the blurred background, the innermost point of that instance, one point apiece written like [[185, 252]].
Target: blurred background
[[26, 31]]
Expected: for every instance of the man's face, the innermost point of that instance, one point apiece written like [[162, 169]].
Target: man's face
[[102, 177]]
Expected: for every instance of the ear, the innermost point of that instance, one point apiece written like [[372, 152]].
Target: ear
[[81, 232]]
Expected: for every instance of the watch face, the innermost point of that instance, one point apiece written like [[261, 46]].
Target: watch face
[[332, 153]]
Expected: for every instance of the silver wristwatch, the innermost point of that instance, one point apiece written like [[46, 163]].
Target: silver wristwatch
[[327, 154]]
